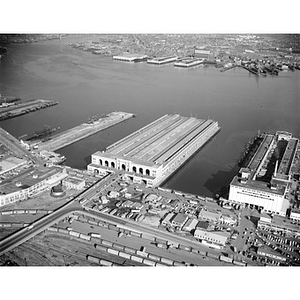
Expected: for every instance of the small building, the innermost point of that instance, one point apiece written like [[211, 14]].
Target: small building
[[166, 221], [271, 254], [73, 183], [228, 220], [179, 220], [57, 191], [217, 237], [202, 53], [104, 200], [127, 203], [209, 216], [113, 194], [190, 224], [10, 163], [295, 215], [202, 225]]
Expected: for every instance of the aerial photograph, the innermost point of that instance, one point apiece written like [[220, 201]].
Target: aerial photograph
[[136, 148], [149, 150]]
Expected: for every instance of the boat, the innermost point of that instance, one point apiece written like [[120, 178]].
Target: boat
[[39, 134]]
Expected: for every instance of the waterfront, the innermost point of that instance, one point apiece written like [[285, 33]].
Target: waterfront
[[85, 85]]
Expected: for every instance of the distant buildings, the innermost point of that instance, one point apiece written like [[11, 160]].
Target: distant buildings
[[130, 57], [202, 53]]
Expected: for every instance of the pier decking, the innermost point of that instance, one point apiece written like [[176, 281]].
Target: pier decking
[[82, 131], [22, 108], [154, 152]]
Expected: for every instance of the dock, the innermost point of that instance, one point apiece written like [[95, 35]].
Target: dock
[[12, 110], [227, 68], [154, 152], [82, 131]]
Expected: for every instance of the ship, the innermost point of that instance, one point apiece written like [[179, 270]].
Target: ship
[[39, 134]]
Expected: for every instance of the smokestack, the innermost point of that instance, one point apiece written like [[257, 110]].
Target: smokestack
[[276, 166]]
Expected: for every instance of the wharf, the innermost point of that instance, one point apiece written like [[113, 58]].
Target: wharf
[[22, 108], [250, 70], [227, 68], [188, 62], [82, 131]]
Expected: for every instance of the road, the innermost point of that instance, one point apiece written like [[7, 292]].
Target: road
[[40, 225], [12, 143], [73, 205]]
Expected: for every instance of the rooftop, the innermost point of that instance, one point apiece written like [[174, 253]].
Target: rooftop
[[208, 214], [158, 142], [287, 158], [180, 218], [27, 179], [258, 185], [262, 149], [73, 180], [9, 163]]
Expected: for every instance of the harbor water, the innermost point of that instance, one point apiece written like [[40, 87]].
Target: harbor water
[[86, 85]]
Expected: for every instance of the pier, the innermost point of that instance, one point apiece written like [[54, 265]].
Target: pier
[[12, 110], [154, 152], [250, 70], [227, 68], [82, 131]]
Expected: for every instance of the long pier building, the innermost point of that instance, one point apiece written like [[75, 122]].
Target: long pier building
[[264, 183], [154, 152]]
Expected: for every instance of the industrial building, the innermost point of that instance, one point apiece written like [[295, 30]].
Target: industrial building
[[190, 224], [154, 152], [29, 184], [130, 57], [179, 220], [264, 182], [162, 60], [73, 183], [10, 163], [295, 215], [188, 62], [209, 216], [271, 254], [279, 224], [216, 237], [202, 53]]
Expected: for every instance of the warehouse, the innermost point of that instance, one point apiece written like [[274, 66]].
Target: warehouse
[[74, 183], [154, 152], [217, 237], [264, 184], [209, 216]]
